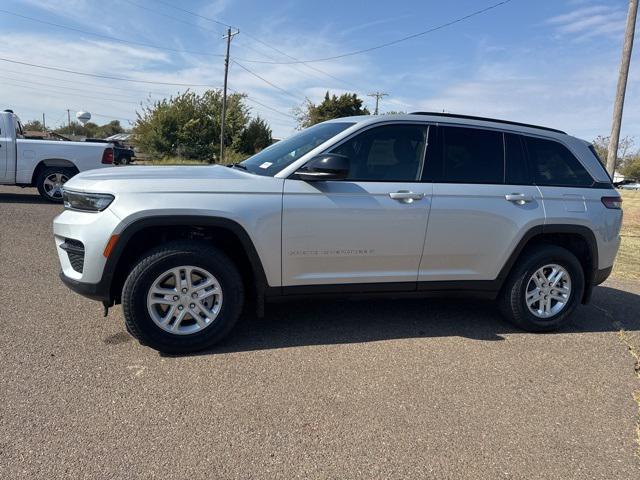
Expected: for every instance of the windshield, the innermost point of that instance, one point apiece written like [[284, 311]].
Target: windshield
[[276, 157]]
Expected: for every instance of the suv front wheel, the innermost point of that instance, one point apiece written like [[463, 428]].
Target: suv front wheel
[[182, 297], [544, 289]]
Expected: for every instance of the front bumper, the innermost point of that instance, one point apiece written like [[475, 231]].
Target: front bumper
[[94, 291], [90, 230]]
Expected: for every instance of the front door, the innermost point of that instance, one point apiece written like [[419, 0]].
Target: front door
[[369, 228]]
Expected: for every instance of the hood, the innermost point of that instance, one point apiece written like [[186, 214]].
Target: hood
[[170, 179]]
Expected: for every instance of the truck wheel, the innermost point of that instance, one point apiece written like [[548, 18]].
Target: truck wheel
[[182, 297], [50, 182], [543, 289]]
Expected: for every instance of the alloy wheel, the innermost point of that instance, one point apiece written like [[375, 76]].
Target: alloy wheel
[[548, 291], [184, 300]]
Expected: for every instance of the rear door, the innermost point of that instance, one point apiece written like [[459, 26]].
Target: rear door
[[483, 202], [565, 184], [369, 228]]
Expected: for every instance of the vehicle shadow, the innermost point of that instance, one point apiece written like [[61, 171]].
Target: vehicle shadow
[[327, 322], [23, 198]]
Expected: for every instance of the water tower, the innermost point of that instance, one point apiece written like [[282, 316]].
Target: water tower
[[83, 117]]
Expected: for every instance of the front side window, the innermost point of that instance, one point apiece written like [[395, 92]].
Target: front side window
[[554, 165], [386, 153], [280, 155], [468, 155]]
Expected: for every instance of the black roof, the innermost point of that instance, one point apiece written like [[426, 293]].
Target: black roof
[[495, 120]]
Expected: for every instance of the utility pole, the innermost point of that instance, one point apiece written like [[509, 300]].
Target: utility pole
[[612, 154], [378, 96], [44, 125], [69, 118], [228, 36]]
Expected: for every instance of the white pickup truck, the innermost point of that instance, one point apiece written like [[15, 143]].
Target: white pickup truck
[[45, 164]]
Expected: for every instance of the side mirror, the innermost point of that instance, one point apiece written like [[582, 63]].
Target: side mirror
[[328, 166]]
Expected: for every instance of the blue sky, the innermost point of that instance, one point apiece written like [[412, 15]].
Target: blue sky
[[552, 62]]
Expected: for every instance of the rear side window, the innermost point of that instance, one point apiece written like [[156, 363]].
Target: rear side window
[[468, 155], [554, 165]]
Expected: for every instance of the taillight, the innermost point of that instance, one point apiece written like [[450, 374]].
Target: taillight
[[612, 202], [107, 156]]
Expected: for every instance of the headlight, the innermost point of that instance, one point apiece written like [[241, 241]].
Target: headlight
[[88, 202]]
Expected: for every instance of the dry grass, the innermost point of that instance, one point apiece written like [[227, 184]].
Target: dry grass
[[627, 266]]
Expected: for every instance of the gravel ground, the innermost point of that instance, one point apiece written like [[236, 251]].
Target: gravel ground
[[322, 389]]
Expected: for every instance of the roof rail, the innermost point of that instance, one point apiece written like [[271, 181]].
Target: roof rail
[[494, 120]]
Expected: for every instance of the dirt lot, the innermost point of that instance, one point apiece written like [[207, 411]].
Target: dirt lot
[[376, 389]]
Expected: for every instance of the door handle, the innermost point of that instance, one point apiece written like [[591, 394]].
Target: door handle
[[405, 196], [518, 198]]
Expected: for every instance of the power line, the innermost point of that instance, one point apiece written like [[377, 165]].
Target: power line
[[172, 17], [95, 87], [266, 81], [115, 39], [175, 7], [254, 38], [390, 43], [253, 100], [113, 117], [81, 90], [70, 94], [96, 75], [137, 81]]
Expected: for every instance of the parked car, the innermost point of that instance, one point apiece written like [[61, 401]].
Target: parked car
[[122, 154], [622, 182], [406, 205], [45, 164], [630, 186]]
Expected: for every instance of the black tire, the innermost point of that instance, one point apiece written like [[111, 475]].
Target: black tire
[[174, 254], [44, 191], [512, 300]]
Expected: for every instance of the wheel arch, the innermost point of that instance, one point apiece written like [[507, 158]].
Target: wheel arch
[[52, 162], [144, 234], [578, 239]]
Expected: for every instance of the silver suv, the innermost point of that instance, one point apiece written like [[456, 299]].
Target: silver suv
[[419, 204]]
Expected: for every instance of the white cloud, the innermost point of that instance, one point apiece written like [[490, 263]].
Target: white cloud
[[592, 21], [573, 96]]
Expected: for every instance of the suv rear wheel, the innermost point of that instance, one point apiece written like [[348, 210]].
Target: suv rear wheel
[[182, 297], [544, 289]]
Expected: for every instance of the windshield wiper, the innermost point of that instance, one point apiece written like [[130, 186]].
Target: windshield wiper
[[238, 165]]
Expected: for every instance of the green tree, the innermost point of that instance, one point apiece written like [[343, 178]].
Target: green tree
[[256, 137], [631, 168], [346, 105], [188, 125], [111, 128], [86, 130], [33, 125]]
